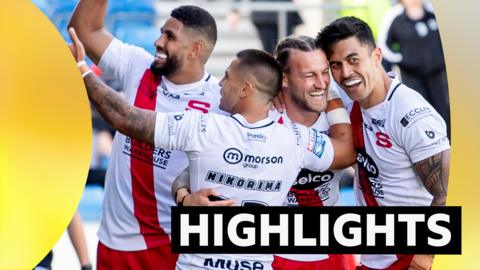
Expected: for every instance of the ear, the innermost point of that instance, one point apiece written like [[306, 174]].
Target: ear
[[284, 81], [247, 89], [197, 49], [377, 56]]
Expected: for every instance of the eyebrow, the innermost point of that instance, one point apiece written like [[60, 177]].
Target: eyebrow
[[170, 32], [352, 55]]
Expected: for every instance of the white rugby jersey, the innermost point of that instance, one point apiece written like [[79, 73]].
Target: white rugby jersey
[[400, 131], [248, 163], [312, 188], [137, 202]]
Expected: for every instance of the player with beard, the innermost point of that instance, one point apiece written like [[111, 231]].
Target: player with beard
[[250, 83], [305, 84], [135, 224], [396, 131], [306, 78]]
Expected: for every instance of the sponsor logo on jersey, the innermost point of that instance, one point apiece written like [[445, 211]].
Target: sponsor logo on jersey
[[232, 264], [256, 137], [243, 183], [316, 143], [378, 122], [440, 141], [203, 123], [178, 116], [377, 188], [414, 115], [307, 179], [141, 151], [235, 156], [364, 160], [430, 134], [367, 126], [297, 133], [167, 93]]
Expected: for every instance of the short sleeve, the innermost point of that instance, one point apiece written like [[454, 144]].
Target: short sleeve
[[120, 60], [180, 131], [423, 133], [316, 148]]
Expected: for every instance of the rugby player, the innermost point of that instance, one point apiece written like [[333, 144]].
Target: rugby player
[[305, 76], [403, 152], [135, 224], [247, 156]]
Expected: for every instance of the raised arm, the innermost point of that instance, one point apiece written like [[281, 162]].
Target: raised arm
[[133, 122], [434, 173], [88, 19]]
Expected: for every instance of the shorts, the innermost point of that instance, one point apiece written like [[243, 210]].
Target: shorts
[[160, 257], [402, 263], [334, 262]]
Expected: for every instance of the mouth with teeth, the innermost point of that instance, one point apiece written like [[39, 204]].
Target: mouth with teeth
[[317, 94], [161, 56], [351, 84]]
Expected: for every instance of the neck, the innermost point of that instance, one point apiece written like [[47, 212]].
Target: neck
[[415, 12], [379, 92], [254, 113], [300, 115], [187, 75]]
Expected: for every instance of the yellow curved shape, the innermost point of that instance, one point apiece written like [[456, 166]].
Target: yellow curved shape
[[45, 135], [458, 24]]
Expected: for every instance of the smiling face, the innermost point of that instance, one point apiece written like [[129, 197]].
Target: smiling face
[[307, 80], [355, 67], [172, 48]]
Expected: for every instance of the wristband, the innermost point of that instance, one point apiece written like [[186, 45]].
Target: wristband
[[86, 73], [180, 203], [81, 63], [338, 116]]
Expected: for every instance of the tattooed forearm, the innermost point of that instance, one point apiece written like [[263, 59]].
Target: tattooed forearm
[[434, 173], [131, 121]]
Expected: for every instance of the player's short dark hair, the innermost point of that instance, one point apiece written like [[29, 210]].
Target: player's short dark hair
[[286, 45], [264, 68], [344, 28], [197, 19]]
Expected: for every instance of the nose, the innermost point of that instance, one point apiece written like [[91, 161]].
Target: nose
[[346, 71], [159, 42], [322, 81]]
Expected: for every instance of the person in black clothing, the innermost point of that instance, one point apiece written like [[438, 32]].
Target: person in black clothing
[[410, 39], [266, 23]]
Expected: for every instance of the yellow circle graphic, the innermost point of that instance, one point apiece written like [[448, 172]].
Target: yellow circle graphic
[[45, 135], [458, 24]]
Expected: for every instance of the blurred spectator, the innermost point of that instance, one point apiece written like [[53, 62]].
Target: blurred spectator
[[266, 23], [410, 39]]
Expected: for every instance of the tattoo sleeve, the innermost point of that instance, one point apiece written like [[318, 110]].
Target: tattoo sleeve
[[133, 122], [434, 173]]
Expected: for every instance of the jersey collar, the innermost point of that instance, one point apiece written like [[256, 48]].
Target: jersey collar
[[259, 124]]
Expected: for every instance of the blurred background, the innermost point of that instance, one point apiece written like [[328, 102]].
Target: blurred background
[[241, 24]]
